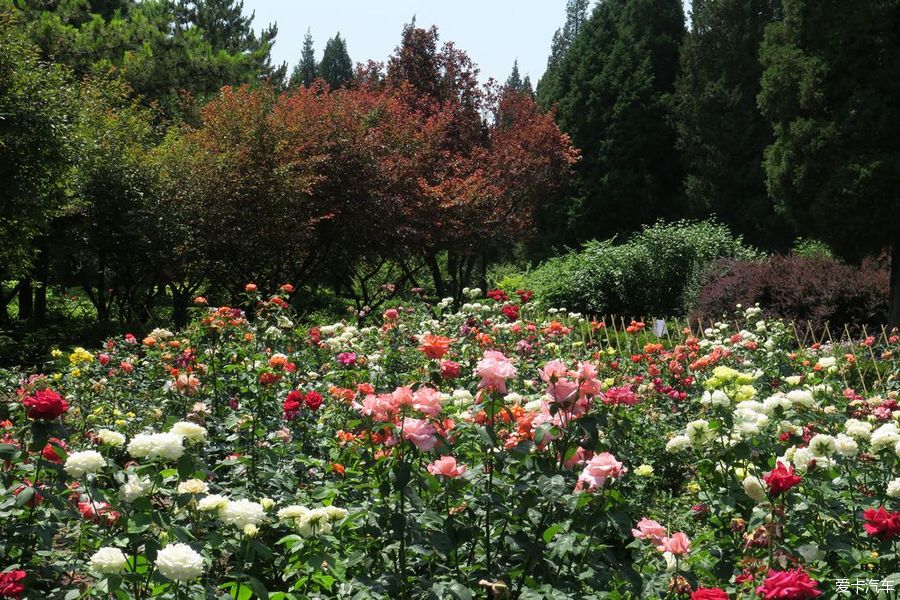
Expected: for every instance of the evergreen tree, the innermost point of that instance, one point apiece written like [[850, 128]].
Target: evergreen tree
[[527, 87], [514, 81], [225, 27], [548, 85], [336, 67], [722, 134], [616, 83], [304, 72], [171, 55], [831, 91]]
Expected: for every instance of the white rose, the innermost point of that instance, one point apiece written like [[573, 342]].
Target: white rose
[[111, 438], [193, 486], [84, 462], [108, 561], [241, 513], [191, 431], [822, 445], [699, 433], [134, 488], [793, 379], [677, 444], [827, 361], [846, 445], [800, 397], [884, 436], [754, 488], [179, 562], [860, 430], [893, 488], [212, 502]]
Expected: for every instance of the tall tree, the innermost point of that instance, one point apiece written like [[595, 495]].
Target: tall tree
[[831, 91], [225, 27], [616, 85], [722, 134], [36, 103], [174, 56], [336, 67], [514, 81], [305, 72], [563, 38]]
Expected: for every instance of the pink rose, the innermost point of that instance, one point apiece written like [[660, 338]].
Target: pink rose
[[446, 466], [648, 529], [677, 544], [553, 370], [427, 400], [494, 369], [420, 432], [598, 470]]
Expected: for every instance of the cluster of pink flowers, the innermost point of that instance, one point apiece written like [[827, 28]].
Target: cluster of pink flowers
[[676, 544]]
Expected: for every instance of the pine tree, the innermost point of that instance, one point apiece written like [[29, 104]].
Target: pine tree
[[336, 67], [563, 38], [615, 84], [305, 71], [722, 134], [514, 81], [830, 90]]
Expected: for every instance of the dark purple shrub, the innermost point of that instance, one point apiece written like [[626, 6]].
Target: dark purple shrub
[[799, 288]]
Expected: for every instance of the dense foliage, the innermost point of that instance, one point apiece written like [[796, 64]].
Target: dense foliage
[[655, 272], [818, 289], [830, 92], [442, 454]]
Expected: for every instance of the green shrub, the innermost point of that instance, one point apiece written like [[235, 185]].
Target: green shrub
[[810, 248], [658, 271]]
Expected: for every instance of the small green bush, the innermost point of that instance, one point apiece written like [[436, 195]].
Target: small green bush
[[658, 271]]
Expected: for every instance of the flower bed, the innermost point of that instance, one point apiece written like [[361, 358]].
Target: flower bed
[[496, 450]]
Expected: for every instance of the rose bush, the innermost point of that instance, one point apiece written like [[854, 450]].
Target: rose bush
[[513, 452]]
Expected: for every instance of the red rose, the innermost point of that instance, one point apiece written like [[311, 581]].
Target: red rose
[[449, 369], [781, 479], [881, 523], [49, 452], [10, 584], [511, 311], [269, 378], [313, 400], [704, 593], [45, 404], [292, 405], [793, 584]]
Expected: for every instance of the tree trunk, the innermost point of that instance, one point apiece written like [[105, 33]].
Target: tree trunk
[[40, 291], [26, 299], [894, 316], [179, 307], [435, 268]]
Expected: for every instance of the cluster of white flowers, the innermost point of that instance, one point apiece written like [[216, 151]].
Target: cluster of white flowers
[[893, 488], [715, 398], [168, 446], [84, 463], [861, 430], [179, 562], [135, 487], [111, 438], [310, 522], [886, 436], [160, 335], [108, 561]]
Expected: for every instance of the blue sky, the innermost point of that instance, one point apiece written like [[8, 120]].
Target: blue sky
[[494, 33]]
